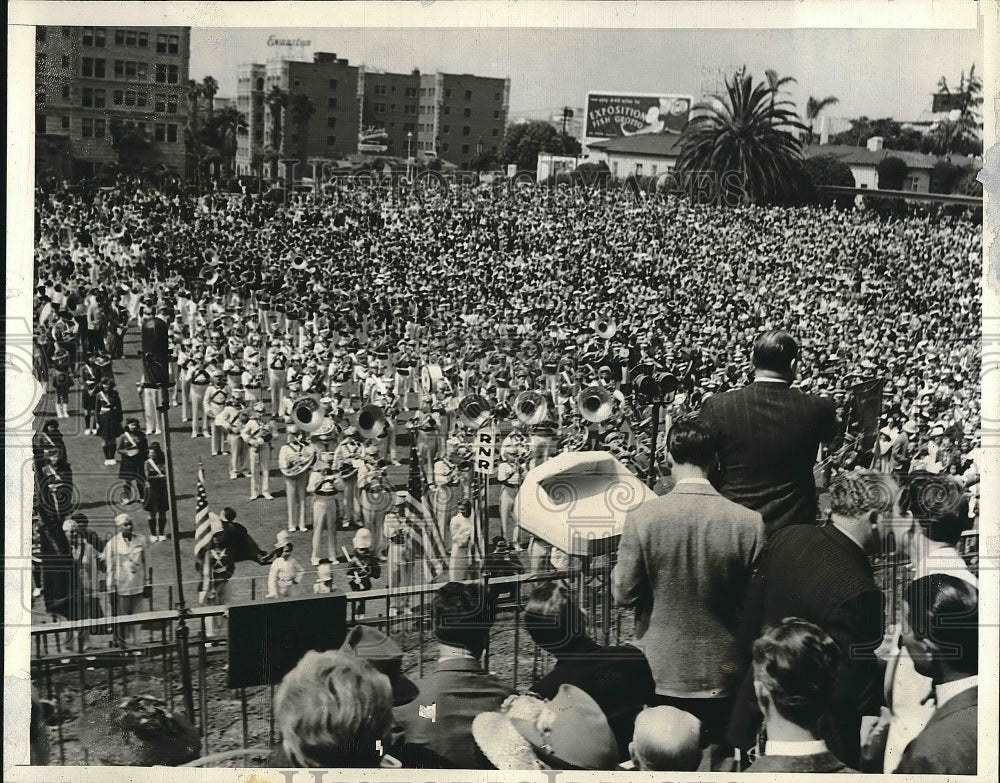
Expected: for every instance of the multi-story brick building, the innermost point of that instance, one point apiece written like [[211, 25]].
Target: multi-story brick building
[[331, 86], [95, 86], [390, 101], [460, 115]]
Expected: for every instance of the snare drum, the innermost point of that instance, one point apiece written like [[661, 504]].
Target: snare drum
[[431, 377]]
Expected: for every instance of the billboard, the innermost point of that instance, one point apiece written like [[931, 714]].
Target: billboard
[[610, 115]]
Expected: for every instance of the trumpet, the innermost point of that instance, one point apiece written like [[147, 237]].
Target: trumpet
[[530, 408], [307, 412], [371, 421], [595, 404], [474, 411]]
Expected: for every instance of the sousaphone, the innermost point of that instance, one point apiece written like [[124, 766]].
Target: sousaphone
[[530, 408], [595, 404]]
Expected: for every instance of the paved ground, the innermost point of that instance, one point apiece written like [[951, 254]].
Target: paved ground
[[99, 495]]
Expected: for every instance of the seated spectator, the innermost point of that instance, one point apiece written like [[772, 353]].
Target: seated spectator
[[617, 678], [138, 731], [440, 717], [568, 732], [334, 709], [666, 740], [942, 638], [794, 668]]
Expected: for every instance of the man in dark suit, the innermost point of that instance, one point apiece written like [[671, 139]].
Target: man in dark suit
[[942, 638], [824, 575], [794, 669], [618, 678], [768, 435], [440, 717], [684, 563]]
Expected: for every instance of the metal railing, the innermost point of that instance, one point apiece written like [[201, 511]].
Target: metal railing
[[141, 657]]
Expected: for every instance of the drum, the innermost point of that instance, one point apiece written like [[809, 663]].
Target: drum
[[431, 377]]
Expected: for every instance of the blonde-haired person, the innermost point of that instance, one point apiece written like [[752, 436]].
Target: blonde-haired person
[[334, 710]]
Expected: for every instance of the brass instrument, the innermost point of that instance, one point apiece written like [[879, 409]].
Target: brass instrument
[[299, 264], [595, 404], [605, 328], [301, 462], [530, 408], [327, 426], [474, 411], [211, 256], [371, 421], [307, 412]]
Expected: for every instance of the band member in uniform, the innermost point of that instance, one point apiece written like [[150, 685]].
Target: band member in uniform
[[217, 570], [199, 381], [217, 410], [90, 376], [157, 498], [148, 397], [425, 427], [182, 391], [133, 449], [324, 486], [376, 498], [61, 380], [108, 409], [362, 567], [237, 446], [444, 494], [251, 379], [295, 459], [277, 373], [514, 453], [257, 434], [400, 566], [348, 457]]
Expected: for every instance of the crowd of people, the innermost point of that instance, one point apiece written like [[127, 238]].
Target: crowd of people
[[351, 323]]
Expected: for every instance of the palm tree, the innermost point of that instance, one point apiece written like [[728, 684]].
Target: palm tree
[[228, 126], [743, 141], [814, 107], [964, 124], [277, 100], [209, 87], [301, 111], [191, 140]]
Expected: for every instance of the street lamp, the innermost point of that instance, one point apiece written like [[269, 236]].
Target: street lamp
[[409, 158]]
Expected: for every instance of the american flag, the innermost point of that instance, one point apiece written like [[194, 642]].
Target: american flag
[[428, 543], [202, 523]]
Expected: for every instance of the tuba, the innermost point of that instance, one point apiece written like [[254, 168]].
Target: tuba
[[474, 411], [211, 256], [605, 328], [530, 408], [595, 404], [307, 413], [371, 421]]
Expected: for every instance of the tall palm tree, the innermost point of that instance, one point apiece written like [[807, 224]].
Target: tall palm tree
[[301, 110], [191, 137], [229, 125], [209, 87], [814, 107], [744, 141], [276, 100]]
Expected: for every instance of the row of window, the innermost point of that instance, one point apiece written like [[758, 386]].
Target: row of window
[[382, 89], [96, 68], [380, 108], [98, 37], [98, 128]]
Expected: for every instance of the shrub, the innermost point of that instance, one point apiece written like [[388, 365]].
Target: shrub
[[892, 173], [828, 170]]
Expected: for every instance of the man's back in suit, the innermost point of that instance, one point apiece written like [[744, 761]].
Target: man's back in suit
[[820, 575], [768, 435], [684, 562], [440, 717], [948, 743]]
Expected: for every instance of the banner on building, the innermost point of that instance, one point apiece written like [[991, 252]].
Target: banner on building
[[610, 115], [484, 448]]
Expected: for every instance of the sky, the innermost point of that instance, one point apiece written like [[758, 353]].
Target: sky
[[876, 73]]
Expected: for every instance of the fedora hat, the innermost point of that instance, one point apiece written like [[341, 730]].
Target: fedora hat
[[569, 732]]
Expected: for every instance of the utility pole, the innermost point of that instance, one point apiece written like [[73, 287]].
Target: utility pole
[[567, 113]]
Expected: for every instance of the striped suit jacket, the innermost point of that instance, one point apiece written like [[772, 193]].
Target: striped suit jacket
[[768, 436]]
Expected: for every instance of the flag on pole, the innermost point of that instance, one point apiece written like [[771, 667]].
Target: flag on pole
[[431, 547], [202, 522]]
